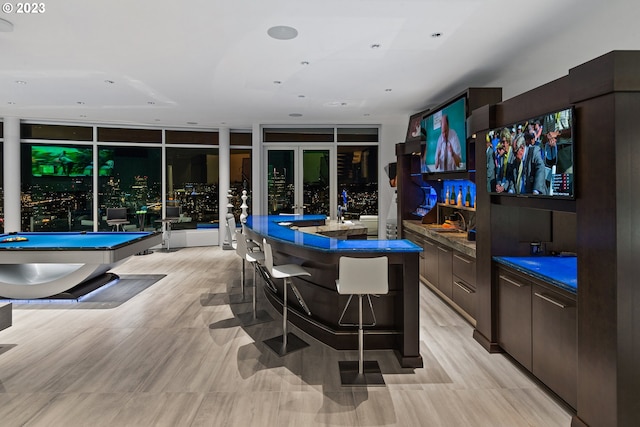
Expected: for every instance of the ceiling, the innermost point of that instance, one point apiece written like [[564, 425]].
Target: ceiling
[[211, 63]]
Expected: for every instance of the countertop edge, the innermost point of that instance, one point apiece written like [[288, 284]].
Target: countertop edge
[[463, 246]]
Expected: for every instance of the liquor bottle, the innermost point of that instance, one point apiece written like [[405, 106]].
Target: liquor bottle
[[452, 200], [467, 198], [446, 197], [460, 196]]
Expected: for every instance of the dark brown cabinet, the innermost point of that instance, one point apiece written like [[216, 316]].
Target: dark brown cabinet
[[537, 327], [514, 316], [464, 283], [445, 272], [554, 352], [430, 261]]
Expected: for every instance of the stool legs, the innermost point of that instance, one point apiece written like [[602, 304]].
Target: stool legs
[[240, 299], [361, 373], [287, 342], [255, 316]]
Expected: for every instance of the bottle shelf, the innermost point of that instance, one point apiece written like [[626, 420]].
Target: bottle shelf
[[462, 208]]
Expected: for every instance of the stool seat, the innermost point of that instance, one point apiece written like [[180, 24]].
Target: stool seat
[[361, 277], [287, 342]]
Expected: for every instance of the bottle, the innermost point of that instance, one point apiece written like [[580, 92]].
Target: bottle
[[467, 198], [460, 196], [452, 199], [446, 196]]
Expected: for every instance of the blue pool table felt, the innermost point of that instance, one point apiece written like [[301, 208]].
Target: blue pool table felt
[[558, 270], [70, 240]]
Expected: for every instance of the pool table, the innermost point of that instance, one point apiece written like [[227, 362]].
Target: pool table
[[39, 265]]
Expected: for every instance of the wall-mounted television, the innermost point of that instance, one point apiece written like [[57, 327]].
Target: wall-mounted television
[[533, 157], [56, 160], [445, 133]]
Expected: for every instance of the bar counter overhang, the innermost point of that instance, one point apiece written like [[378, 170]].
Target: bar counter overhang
[[397, 313]]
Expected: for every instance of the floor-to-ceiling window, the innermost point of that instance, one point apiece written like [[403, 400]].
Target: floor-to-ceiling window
[[315, 170], [56, 178], [1, 178]]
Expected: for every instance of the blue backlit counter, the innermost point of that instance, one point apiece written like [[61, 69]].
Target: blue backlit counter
[[397, 313], [559, 271]]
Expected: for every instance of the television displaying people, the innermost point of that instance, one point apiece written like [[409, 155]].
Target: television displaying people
[[448, 151], [445, 137], [534, 157]]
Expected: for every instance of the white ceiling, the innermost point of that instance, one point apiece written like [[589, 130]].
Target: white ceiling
[[210, 63]]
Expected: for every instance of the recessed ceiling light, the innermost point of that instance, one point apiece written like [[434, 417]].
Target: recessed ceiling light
[[110, 82], [277, 82], [295, 115], [282, 32], [366, 114], [375, 46], [5, 26], [151, 103], [192, 123], [436, 35], [388, 90], [11, 103], [304, 62], [83, 115], [80, 102], [157, 120], [300, 96], [21, 82]]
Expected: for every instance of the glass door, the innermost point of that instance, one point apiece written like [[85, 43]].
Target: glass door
[[299, 180]]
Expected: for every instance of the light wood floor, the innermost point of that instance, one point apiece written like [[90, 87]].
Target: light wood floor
[[175, 355]]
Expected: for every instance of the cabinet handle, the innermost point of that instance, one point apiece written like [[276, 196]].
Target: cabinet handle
[[428, 243], [506, 279], [462, 259], [551, 300], [464, 287], [443, 249]]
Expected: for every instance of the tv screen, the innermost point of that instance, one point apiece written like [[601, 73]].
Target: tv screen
[[533, 157], [56, 160], [445, 133]]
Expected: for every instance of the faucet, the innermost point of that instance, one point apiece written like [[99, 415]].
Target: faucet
[[464, 221]]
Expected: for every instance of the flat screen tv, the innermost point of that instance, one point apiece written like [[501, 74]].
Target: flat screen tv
[[533, 157], [56, 160], [445, 133]]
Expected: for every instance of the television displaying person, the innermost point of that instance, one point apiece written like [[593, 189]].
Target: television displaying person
[[526, 174], [448, 151]]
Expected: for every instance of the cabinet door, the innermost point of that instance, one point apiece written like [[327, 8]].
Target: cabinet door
[[514, 317], [464, 295], [430, 262], [555, 354], [465, 268], [445, 277]]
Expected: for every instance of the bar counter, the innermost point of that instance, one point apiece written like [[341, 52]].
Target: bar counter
[[560, 271], [397, 313]]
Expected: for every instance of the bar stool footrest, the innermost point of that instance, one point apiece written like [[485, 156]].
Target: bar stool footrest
[[371, 376], [293, 344]]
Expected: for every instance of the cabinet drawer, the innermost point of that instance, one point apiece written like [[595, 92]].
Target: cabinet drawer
[[465, 268], [464, 295]]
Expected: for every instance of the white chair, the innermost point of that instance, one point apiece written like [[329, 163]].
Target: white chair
[[253, 257], [172, 217], [287, 342], [361, 277], [229, 241]]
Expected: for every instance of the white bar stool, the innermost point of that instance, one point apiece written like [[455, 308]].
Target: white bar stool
[[253, 257], [287, 342], [361, 276]]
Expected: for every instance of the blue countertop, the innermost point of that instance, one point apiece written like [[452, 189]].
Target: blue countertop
[[283, 228], [561, 271]]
